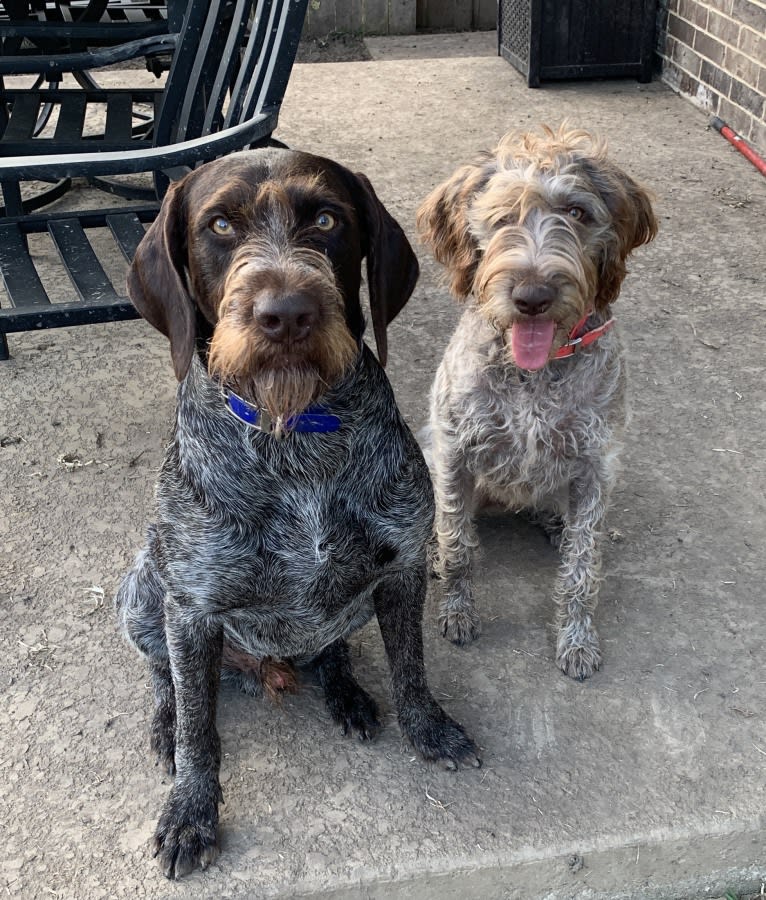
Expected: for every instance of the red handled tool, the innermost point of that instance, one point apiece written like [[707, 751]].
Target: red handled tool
[[736, 141]]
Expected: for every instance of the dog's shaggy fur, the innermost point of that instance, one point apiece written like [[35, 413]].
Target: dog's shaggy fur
[[272, 543], [534, 236]]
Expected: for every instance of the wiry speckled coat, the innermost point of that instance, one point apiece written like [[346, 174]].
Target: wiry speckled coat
[[544, 442], [534, 236], [289, 538], [265, 547]]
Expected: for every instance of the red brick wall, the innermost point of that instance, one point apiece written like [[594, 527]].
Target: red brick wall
[[714, 52]]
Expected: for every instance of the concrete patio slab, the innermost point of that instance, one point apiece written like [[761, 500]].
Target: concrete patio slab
[[645, 782]]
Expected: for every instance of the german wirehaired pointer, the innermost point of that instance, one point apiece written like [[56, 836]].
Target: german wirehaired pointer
[[293, 503], [528, 403]]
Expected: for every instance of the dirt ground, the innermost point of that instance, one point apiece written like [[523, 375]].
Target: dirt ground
[[333, 47], [646, 782]]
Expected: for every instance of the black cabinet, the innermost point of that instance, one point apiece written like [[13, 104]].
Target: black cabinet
[[566, 39]]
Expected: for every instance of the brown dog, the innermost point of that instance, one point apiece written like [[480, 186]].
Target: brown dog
[[293, 503]]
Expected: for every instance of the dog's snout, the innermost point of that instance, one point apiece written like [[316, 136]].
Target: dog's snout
[[288, 318], [533, 299]]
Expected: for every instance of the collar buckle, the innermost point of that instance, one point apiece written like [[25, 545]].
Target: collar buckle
[[579, 338]]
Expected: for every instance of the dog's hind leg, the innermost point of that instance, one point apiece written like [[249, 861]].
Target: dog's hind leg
[[139, 603], [349, 704], [437, 737], [577, 651], [551, 523]]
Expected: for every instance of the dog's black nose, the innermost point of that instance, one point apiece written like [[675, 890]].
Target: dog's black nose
[[286, 319], [533, 299]]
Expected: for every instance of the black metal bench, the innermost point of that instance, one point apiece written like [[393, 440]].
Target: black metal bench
[[230, 61]]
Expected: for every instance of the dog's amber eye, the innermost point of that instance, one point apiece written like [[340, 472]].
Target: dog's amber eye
[[576, 213], [221, 225], [325, 221]]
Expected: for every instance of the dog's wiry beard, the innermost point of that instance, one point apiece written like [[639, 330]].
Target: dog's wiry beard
[[283, 393], [250, 366]]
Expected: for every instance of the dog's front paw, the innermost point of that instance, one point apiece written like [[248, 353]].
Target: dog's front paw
[[162, 739], [186, 833], [354, 710], [440, 739], [578, 656], [461, 626]]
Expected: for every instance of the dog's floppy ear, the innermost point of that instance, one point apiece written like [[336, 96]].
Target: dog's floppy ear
[[634, 221], [443, 223], [392, 267], [157, 280]]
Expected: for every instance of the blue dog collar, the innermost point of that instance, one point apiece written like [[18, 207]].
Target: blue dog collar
[[314, 419]]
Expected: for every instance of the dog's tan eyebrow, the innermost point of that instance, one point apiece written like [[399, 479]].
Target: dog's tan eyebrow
[[311, 190], [234, 194], [315, 200]]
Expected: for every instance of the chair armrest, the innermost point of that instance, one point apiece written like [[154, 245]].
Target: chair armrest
[[89, 59], [184, 153]]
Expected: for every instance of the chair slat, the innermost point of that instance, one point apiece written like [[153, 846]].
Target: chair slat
[[246, 84], [19, 274], [128, 233], [71, 117], [223, 79], [120, 103], [119, 119], [23, 118], [85, 271]]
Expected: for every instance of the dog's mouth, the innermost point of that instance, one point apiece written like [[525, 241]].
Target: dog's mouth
[[531, 342], [532, 322]]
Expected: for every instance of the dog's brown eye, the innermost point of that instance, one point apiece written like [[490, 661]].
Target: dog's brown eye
[[221, 225], [325, 222], [576, 213]]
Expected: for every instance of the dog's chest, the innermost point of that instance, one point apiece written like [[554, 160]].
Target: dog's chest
[[292, 561], [326, 542], [533, 430]]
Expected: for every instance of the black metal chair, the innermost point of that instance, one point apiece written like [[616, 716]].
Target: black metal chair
[[41, 28], [48, 39], [230, 64]]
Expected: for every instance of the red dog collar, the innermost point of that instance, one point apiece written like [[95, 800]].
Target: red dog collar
[[579, 338]]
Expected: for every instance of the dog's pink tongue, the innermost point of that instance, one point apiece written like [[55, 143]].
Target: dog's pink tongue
[[531, 342]]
